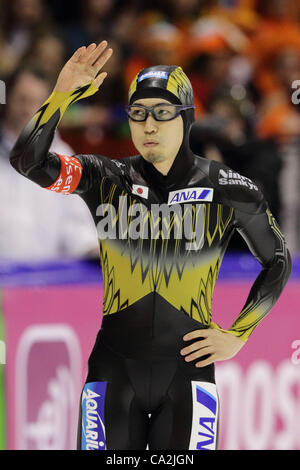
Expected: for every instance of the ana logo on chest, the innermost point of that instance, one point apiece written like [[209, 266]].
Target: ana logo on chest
[[190, 195]]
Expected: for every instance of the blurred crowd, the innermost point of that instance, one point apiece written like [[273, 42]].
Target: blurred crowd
[[242, 57]]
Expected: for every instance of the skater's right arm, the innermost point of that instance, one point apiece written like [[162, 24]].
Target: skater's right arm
[[78, 79]]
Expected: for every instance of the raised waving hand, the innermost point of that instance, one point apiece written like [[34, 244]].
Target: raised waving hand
[[84, 67]]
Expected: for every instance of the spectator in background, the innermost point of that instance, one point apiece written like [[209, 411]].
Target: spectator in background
[[214, 46], [36, 225], [277, 14], [95, 20], [103, 115], [124, 29], [240, 13], [21, 21], [277, 116], [226, 134], [180, 13], [161, 35], [49, 53], [114, 95], [159, 42], [275, 53]]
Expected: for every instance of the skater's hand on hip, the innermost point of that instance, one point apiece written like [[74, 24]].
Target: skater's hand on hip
[[83, 67], [219, 345]]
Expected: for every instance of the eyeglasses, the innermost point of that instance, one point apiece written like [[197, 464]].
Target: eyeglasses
[[160, 112]]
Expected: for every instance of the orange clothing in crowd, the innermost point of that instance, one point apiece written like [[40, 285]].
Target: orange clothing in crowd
[[270, 39]]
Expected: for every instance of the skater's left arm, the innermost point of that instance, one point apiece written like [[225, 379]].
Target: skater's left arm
[[258, 227]]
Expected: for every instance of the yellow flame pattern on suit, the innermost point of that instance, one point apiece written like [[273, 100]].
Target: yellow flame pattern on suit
[[186, 282], [258, 308], [59, 101], [221, 223], [192, 292], [252, 315]]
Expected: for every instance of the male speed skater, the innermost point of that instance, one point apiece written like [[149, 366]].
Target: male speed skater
[[164, 219]]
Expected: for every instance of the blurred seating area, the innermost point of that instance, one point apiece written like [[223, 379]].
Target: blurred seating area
[[242, 57]]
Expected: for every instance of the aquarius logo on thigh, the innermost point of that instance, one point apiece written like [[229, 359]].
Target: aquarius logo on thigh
[[93, 427]]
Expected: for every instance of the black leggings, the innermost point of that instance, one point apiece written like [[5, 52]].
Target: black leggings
[[164, 403]]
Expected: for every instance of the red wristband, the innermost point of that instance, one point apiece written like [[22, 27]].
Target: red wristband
[[69, 177]]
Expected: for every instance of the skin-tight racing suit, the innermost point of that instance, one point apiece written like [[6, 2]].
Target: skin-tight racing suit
[[161, 242]]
